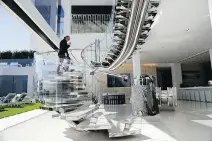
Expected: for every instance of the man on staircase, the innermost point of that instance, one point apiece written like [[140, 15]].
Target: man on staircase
[[63, 52]]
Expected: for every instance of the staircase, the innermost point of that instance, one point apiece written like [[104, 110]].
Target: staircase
[[68, 90], [131, 22], [127, 31]]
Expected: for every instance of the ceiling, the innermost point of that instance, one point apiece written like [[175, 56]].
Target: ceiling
[[201, 58], [183, 29]]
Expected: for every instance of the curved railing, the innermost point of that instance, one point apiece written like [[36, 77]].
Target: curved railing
[[92, 49], [133, 20]]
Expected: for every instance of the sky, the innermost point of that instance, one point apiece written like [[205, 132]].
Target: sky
[[14, 35]]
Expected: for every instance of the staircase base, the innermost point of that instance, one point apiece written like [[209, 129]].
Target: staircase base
[[92, 118]]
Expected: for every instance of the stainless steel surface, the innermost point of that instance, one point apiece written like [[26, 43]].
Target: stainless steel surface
[[134, 39]]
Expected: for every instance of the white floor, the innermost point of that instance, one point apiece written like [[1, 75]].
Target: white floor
[[19, 118], [190, 121]]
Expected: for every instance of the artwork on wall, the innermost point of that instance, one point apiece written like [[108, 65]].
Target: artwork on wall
[[116, 81], [190, 75]]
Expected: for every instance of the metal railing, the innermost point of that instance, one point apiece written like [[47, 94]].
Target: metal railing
[[90, 23], [97, 50]]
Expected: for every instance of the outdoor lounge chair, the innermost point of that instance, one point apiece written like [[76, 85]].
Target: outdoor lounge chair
[[14, 101], [20, 99], [7, 100], [25, 99]]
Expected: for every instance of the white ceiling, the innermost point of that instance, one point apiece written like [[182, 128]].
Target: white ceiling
[[202, 58], [183, 29]]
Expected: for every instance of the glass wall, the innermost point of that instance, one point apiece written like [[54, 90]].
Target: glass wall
[[45, 11], [13, 84]]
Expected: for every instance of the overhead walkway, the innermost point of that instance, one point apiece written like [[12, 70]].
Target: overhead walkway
[[27, 13]]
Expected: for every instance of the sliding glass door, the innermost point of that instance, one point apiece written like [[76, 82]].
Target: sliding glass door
[[13, 84]]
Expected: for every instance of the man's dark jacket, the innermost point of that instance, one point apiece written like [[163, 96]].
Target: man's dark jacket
[[63, 49]]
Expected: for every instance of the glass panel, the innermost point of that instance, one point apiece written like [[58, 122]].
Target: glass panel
[[20, 84], [44, 11], [6, 85]]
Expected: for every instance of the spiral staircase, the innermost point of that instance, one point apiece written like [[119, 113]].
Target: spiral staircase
[[131, 23], [128, 28]]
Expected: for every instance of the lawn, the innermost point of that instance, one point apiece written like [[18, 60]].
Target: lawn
[[8, 111]]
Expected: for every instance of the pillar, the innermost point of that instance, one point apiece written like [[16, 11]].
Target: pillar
[[176, 75], [53, 14], [30, 83], [210, 52], [136, 66], [66, 4]]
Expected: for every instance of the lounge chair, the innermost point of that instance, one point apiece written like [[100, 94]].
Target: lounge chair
[[7, 100], [20, 99], [25, 99], [14, 101]]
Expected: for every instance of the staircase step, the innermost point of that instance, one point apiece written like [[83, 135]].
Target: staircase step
[[80, 113], [119, 129], [96, 122]]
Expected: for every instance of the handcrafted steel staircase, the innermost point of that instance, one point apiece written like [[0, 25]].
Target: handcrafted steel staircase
[[127, 30], [130, 24]]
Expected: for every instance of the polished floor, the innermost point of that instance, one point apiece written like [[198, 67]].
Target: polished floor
[[191, 121]]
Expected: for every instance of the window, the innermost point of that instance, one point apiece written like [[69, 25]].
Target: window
[[13, 84], [45, 11], [116, 81]]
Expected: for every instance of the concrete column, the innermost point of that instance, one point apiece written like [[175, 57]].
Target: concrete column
[[210, 52], [176, 75], [30, 85], [66, 4], [136, 66], [53, 15]]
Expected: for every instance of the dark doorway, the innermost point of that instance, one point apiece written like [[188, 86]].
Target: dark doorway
[[164, 77]]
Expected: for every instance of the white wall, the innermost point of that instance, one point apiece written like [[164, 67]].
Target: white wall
[[176, 75], [30, 71], [66, 4]]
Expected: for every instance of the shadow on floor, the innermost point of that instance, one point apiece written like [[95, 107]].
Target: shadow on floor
[[99, 136]]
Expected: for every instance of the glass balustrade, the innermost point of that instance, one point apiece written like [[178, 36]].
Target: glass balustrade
[[96, 51]]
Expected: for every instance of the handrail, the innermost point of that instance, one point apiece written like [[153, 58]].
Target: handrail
[[49, 52], [83, 51], [132, 16], [135, 39], [90, 45]]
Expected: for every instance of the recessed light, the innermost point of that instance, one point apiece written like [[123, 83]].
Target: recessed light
[[187, 30], [162, 47]]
